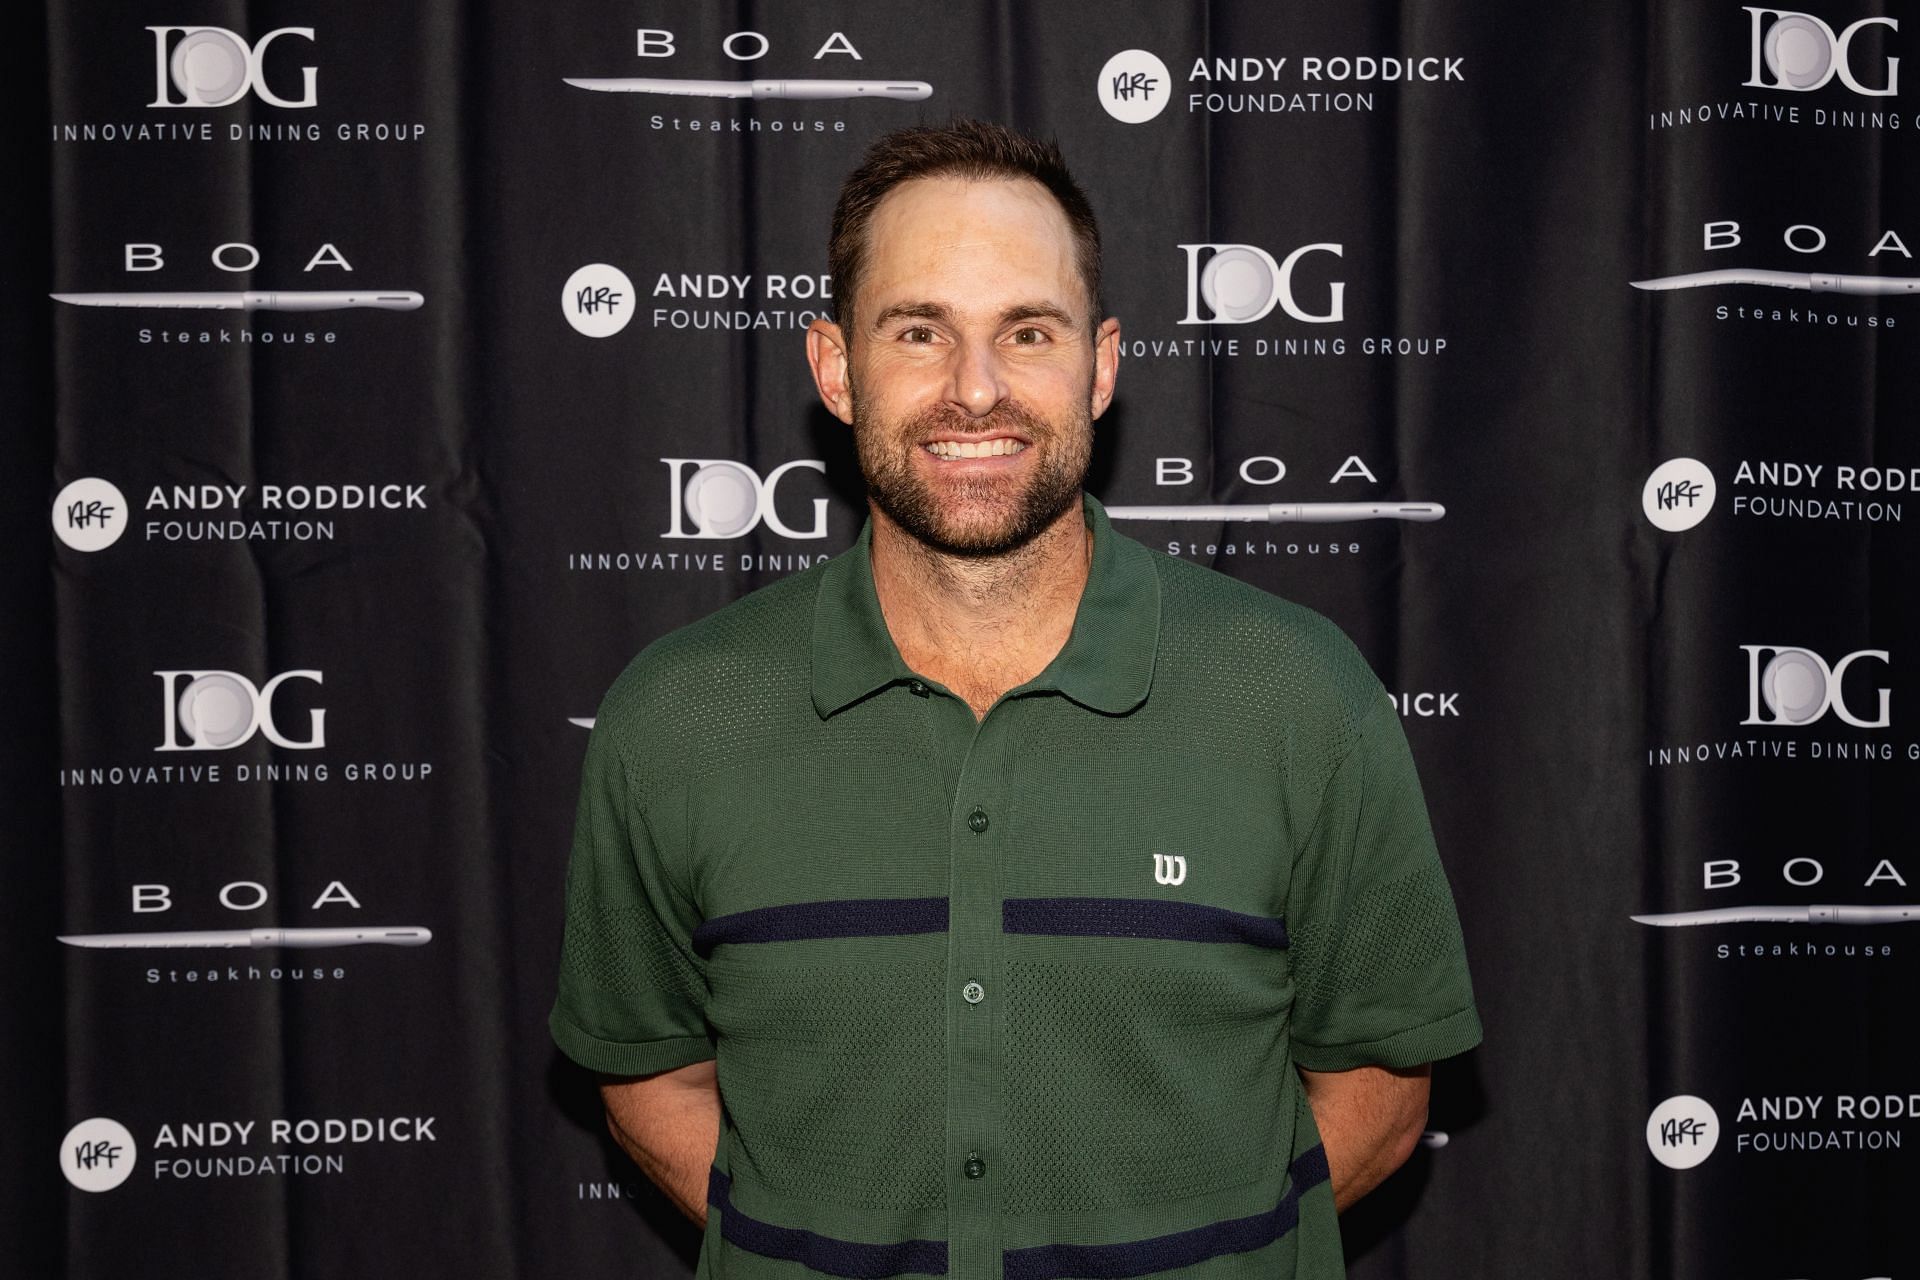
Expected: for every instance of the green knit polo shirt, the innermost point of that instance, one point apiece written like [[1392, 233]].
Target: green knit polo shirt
[[1021, 997]]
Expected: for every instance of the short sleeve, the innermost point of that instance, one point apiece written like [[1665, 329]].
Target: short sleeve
[[632, 993], [1380, 969]]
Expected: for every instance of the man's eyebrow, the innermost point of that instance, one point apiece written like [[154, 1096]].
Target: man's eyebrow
[[1036, 311], [939, 311], [913, 311]]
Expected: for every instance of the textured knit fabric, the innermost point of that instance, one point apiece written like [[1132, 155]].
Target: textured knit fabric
[[1023, 997]]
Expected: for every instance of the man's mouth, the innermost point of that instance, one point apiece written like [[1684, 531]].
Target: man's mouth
[[999, 446]]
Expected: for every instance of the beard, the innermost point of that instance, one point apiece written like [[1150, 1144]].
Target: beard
[[981, 516]]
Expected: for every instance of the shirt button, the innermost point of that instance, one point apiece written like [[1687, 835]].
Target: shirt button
[[973, 993], [975, 1168], [918, 689], [977, 821]]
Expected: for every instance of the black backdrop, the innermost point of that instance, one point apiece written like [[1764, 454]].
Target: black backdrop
[[1613, 717]]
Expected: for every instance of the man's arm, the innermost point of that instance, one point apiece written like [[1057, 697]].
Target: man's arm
[[670, 1124], [1370, 1119]]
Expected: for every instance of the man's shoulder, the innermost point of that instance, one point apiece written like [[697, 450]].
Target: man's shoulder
[[1220, 631], [692, 680]]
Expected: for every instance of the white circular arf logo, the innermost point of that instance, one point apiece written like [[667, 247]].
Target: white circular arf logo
[[1683, 1131], [97, 1154], [598, 300], [1134, 86], [90, 514], [1678, 494]]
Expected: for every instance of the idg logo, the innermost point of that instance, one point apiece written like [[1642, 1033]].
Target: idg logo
[[1797, 686], [215, 67], [1241, 283], [1800, 53], [725, 499], [220, 710]]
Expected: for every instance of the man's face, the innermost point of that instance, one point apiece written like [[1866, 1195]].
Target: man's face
[[975, 373]]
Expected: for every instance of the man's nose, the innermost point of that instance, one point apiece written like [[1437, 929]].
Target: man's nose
[[979, 381]]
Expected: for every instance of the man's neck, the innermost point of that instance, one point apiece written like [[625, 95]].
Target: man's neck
[[981, 625]]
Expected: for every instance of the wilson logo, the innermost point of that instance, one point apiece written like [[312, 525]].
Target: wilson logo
[[1169, 868]]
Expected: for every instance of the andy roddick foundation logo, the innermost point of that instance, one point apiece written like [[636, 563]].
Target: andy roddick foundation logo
[[600, 300], [1686, 1130], [597, 300], [1135, 85], [1682, 492], [1683, 1131], [90, 514], [100, 1154], [1678, 495]]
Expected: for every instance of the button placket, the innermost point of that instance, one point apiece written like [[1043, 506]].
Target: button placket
[[975, 836]]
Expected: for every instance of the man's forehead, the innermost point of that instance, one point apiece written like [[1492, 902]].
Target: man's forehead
[[984, 233], [996, 198]]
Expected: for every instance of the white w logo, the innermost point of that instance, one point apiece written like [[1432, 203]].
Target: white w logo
[[1169, 868]]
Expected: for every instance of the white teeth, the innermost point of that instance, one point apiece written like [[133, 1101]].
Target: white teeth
[[975, 448]]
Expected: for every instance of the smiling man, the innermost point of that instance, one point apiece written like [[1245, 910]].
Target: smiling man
[[1003, 899]]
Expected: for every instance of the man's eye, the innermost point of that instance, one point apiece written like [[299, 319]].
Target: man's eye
[[1029, 336], [918, 333]]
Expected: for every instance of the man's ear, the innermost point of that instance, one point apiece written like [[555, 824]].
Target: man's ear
[[827, 356], [1106, 364]]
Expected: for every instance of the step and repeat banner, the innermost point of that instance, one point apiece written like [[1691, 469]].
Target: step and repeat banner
[[384, 377]]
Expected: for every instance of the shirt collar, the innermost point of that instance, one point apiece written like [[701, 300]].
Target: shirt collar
[[1106, 664]]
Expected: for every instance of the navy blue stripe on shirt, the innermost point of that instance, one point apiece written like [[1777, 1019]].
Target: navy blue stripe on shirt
[[1139, 918], [1180, 1249], [821, 1253], [838, 918]]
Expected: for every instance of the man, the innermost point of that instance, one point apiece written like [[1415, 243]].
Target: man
[[1002, 898]]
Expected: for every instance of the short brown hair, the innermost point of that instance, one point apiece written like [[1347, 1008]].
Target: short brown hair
[[970, 149]]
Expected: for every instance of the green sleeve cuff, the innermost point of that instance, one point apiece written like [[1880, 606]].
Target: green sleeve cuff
[[1455, 1033], [614, 1058]]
